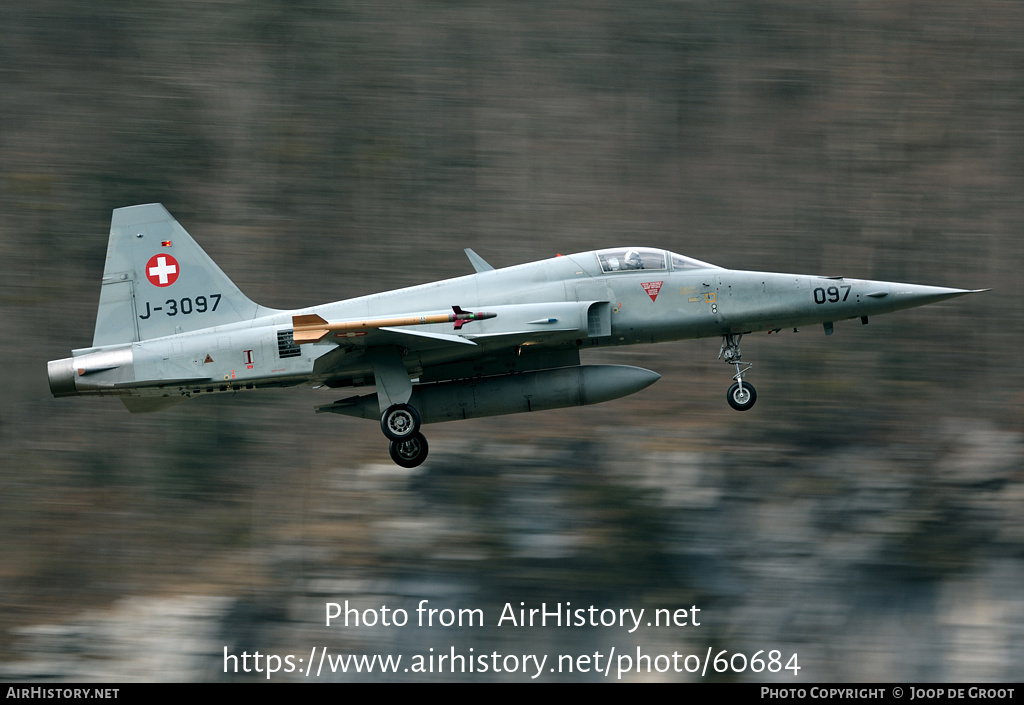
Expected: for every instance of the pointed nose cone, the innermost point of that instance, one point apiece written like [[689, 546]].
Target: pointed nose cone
[[910, 295]]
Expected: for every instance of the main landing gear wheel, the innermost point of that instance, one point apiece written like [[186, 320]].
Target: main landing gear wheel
[[741, 398], [409, 453], [399, 422]]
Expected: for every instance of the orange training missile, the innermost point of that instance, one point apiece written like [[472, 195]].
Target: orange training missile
[[311, 328]]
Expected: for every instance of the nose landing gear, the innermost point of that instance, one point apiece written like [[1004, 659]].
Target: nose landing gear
[[741, 396]]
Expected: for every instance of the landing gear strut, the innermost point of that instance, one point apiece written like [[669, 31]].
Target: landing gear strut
[[741, 396], [399, 421]]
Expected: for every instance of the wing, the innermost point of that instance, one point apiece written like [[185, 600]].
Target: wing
[[426, 344], [527, 323], [311, 328]]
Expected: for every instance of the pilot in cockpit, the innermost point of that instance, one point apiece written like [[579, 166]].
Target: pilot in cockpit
[[633, 260]]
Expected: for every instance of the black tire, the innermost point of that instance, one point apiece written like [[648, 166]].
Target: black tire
[[399, 422], [410, 452], [741, 401]]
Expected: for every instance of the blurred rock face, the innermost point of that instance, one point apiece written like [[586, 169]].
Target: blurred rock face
[[905, 553]]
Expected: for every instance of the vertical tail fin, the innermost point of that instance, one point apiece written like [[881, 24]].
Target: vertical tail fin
[[158, 281]]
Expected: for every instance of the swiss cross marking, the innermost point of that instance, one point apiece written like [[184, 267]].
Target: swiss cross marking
[[652, 289], [162, 270]]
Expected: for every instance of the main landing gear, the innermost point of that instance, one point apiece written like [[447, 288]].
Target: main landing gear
[[399, 422], [401, 425], [411, 452], [741, 395]]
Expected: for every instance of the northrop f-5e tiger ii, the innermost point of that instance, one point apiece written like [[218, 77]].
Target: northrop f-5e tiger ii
[[171, 325]]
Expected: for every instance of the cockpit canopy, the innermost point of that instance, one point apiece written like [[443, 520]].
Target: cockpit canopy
[[633, 259]]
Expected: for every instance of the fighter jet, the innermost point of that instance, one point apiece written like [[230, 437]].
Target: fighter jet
[[172, 326]]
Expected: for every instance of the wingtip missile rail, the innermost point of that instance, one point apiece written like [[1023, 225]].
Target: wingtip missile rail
[[311, 328]]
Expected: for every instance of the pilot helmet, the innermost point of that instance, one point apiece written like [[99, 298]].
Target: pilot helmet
[[633, 260]]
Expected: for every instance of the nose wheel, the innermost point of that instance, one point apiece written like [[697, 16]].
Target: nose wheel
[[741, 398], [741, 395]]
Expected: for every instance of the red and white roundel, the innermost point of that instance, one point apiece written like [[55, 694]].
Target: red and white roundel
[[162, 270]]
